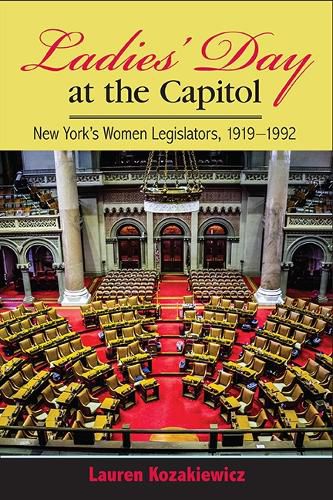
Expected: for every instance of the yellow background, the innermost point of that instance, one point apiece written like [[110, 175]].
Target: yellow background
[[40, 98]]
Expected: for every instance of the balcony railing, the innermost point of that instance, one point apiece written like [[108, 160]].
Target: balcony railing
[[31, 224], [135, 175], [309, 222], [84, 439]]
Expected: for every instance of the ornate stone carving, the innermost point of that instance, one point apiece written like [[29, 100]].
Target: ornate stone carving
[[116, 176], [219, 209], [7, 223], [312, 178], [171, 208], [24, 267], [60, 267], [29, 222], [208, 175], [256, 176], [309, 220], [286, 266], [227, 176], [88, 178]]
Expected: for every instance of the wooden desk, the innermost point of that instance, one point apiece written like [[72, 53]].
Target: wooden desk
[[39, 348], [55, 418], [149, 390], [33, 387], [325, 360], [210, 361], [11, 410], [308, 383], [101, 422], [126, 394], [242, 422], [212, 394], [242, 374], [271, 395], [192, 386], [94, 378], [9, 417], [9, 368], [67, 361], [132, 360], [289, 418], [228, 405], [273, 360], [111, 407], [67, 396]]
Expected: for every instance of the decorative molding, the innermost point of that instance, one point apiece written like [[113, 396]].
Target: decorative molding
[[124, 210], [220, 209], [30, 223], [7, 223], [171, 208], [255, 177], [89, 178], [135, 175], [59, 267], [309, 221], [286, 266], [24, 267]]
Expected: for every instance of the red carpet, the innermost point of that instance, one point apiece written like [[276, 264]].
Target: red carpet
[[10, 294], [173, 410]]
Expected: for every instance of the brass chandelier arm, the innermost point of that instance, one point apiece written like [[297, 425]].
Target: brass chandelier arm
[[161, 186]]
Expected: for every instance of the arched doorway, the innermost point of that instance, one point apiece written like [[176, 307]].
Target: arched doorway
[[8, 270], [42, 274], [306, 272], [129, 247], [215, 246], [172, 248]]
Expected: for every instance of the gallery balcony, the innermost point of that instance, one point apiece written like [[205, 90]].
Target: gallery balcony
[[45, 223], [134, 175], [309, 222]]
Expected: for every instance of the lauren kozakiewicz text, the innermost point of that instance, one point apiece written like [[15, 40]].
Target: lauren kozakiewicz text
[[155, 474]]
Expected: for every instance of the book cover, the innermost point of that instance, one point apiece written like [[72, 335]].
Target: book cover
[[165, 247]]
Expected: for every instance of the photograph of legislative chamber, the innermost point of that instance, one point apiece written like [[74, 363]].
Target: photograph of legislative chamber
[[176, 302]]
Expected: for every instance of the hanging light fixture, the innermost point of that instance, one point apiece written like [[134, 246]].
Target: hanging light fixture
[[171, 182]]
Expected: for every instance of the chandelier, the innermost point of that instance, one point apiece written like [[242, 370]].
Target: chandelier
[[171, 182]]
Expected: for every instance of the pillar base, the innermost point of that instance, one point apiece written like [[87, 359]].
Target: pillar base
[[28, 299], [322, 299], [75, 297], [268, 297]]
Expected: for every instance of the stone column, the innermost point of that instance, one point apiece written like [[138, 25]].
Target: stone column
[[285, 268], [75, 292], [186, 244], [228, 253], [143, 250], [101, 230], [59, 269], [269, 292], [194, 239], [24, 268], [114, 263], [201, 252], [157, 246], [150, 241], [325, 269]]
